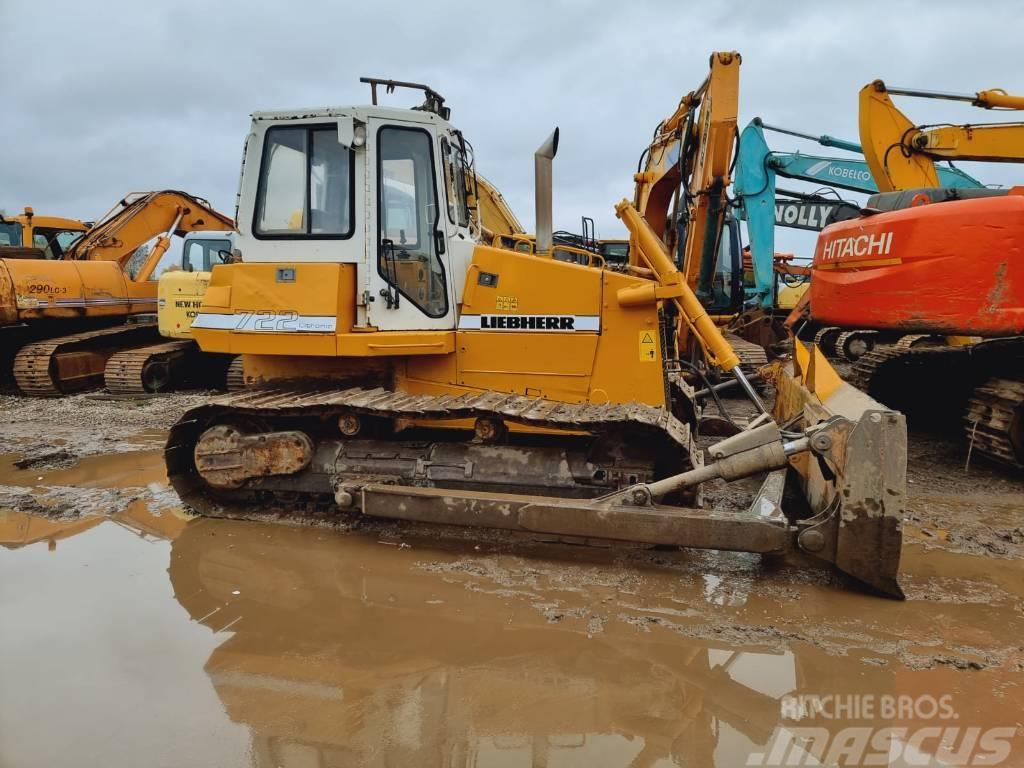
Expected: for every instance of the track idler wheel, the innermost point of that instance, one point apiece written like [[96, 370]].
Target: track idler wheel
[[156, 376], [226, 458], [825, 339], [852, 345]]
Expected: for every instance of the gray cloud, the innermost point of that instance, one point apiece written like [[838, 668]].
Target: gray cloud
[[106, 98]]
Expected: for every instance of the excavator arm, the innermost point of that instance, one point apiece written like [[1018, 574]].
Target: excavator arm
[[757, 168], [140, 217], [493, 212], [901, 154], [691, 154]]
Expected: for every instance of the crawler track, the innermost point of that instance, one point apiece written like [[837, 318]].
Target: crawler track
[[979, 388], [235, 378], [74, 363], [146, 369], [316, 410], [753, 357], [994, 421], [853, 345]]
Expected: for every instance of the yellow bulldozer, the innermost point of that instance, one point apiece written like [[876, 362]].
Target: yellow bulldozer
[[404, 367]]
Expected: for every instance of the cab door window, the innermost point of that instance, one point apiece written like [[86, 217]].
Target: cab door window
[[410, 237], [727, 282]]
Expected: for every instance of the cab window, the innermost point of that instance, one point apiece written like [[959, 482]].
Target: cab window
[[201, 255], [407, 211], [53, 242], [306, 185], [454, 162], [10, 233], [727, 283]]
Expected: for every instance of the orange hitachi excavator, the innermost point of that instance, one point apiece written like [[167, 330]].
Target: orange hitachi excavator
[[933, 262], [61, 320]]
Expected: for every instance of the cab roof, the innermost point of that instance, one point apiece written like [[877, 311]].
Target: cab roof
[[362, 112]]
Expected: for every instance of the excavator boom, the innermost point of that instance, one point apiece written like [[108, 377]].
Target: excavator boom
[[901, 153], [141, 216], [757, 169]]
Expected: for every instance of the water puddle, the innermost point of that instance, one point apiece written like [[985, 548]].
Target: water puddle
[[152, 639]]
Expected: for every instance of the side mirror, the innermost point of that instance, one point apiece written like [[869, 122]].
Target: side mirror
[[224, 256]]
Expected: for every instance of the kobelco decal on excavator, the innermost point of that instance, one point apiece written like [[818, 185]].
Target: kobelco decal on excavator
[[858, 246], [545, 323], [827, 168]]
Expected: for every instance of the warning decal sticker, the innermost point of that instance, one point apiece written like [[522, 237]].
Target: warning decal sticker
[[648, 346]]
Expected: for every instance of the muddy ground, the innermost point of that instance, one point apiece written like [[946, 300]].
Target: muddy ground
[[241, 643]]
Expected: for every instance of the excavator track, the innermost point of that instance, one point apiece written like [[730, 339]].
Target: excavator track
[[146, 369], [753, 357], [928, 384], [74, 363], [978, 388], [994, 421], [905, 343], [327, 427], [825, 339]]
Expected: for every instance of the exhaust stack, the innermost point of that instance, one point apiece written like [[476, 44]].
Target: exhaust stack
[[542, 190]]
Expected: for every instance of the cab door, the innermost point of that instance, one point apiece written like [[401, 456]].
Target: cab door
[[410, 280]]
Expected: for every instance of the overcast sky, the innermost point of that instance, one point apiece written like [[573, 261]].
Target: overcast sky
[[103, 98]]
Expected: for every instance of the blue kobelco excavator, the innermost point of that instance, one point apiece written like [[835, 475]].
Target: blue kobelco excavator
[[764, 207]]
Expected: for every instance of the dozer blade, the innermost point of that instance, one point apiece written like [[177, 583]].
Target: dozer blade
[[860, 494]]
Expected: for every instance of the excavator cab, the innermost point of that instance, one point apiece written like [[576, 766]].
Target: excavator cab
[[729, 283], [31, 236], [184, 282]]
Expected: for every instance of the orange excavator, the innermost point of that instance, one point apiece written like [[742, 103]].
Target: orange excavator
[[925, 263], [62, 320]]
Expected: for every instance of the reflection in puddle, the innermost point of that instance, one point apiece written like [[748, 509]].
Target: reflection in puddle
[[228, 643]]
